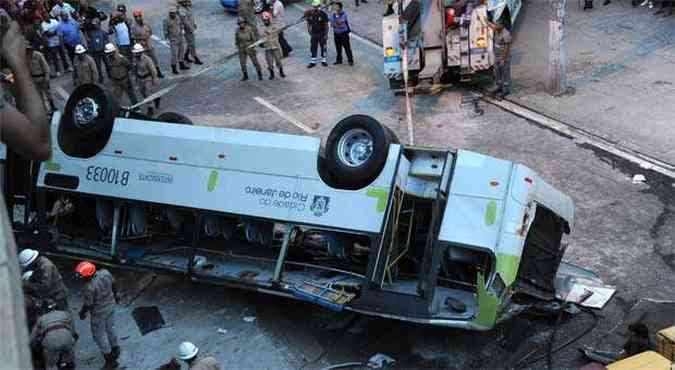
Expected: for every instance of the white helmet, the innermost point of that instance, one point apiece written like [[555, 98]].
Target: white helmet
[[109, 48], [27, 275], [138, 48], [27, 256], [79, 49], [187, 350]]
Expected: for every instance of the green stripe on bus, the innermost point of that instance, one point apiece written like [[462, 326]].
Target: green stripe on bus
[[213, 180]]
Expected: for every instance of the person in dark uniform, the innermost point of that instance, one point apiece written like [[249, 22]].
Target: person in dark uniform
[[317, 26]]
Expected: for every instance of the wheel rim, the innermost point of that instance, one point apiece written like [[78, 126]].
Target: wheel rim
[[85, 112], [355, 147]]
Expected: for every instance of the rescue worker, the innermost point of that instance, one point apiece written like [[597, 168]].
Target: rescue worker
[[146, 75], [317, 26], [278, 13], [270, 33], [244, 38], [140, 34], [189, 27], [188, 353], [54, 333], [246, 10], [99, 297], [118, 71], [46, 280], [85, 67], [40, 71], [502, 48], [174, 33]]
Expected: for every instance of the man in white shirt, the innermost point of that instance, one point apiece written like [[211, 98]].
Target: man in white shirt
[[278, 14], [54, 52], [61, 7], [121, 31]]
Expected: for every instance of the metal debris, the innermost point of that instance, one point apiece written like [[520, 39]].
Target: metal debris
[[379, 361]]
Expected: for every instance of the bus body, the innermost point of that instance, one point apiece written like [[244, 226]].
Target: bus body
[[441, 237]]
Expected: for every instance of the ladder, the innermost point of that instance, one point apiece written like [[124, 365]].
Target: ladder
[[464, 55]]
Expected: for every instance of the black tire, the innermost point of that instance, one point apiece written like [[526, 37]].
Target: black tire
[[173, 117], [354, 176], [392, 135], [84, 140]]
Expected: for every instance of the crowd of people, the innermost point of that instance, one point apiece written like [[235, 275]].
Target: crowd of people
[[75, 37]]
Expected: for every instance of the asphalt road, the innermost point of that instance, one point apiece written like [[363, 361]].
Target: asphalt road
[[623, 231]]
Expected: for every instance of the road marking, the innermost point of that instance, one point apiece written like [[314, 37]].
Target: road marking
[[161, 41], [284, 115], [581, 136]]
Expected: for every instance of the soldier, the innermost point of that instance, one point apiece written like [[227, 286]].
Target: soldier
[[270, 32], [46, 280], [189, 26], [188, 353], [174, 33], [99, 296], [85, 68], [502, 68], [243, 39], [146, 75], [40, 71], [140, 34], [246, 10], [118, 71], [54, 333]]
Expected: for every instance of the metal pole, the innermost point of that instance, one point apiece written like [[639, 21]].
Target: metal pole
[[278, 269], [115, 229], [557, 65]]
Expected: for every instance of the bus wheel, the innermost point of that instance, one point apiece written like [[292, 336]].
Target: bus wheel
[[356, 151], [173, 117], [87, 121]]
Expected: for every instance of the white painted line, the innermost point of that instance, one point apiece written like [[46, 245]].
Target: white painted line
[[580, 136], [62, 92], [284, 115], [161, 41]]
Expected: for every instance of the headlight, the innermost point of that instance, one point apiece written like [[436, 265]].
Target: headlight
[[388, 52]]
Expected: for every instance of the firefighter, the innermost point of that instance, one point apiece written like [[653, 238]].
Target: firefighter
[[40, 71], [188, 352], [141, 34], [99, 296], [189, 27], [53, 334], [118, 71], [245, 37], [46, 280], [317, 26], [502, 67], [174, 33], [270, 32], [85, 68], [146, 75]]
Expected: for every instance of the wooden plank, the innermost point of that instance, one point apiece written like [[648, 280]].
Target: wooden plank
[[14, 351]]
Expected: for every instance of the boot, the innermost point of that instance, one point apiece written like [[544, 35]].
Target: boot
[[159, 73], [186, 57], [115, 352], [260, 75], [173, 69], [281, 72], [245, 76], [156, 101], [184, 66], [271, 74], [110, 362], [151, 112], [197, 61]]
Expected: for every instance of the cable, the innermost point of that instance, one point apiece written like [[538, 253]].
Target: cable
[[343, 365]]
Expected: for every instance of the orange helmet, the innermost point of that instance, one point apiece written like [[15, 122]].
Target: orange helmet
[[85, 269], [137, 13]]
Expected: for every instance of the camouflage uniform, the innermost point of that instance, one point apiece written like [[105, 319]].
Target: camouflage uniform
[[206, 363], [47, 282], [189, 26], [98, 295], [85, 71], [54, 332], [244, 38], [118, 71], [40, 71], [272, 47], [141, 34], [146, 77], [174, 33]]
